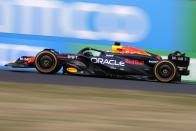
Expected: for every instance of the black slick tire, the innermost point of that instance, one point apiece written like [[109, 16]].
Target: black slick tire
[[165, 71], [46, 62]]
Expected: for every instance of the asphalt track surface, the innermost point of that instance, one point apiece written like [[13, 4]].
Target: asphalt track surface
[[81, 81]]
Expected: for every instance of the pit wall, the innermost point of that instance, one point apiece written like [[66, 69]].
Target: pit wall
[[69, 25]]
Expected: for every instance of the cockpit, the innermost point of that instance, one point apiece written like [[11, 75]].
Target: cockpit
[[90, 52]]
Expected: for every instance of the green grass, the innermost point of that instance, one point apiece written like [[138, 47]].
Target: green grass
[[189, 81], [33, 107]]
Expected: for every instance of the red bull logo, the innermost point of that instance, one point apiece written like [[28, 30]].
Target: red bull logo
[[134, 62]]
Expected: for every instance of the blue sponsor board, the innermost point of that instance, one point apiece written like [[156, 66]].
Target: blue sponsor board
[[148, 24]]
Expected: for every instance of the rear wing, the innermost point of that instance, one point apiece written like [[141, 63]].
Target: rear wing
[[181, 61]]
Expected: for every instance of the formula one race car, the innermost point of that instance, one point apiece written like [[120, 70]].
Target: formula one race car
[[121, 62]]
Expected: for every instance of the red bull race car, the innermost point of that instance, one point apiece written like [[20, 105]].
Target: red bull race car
[[122, 62]]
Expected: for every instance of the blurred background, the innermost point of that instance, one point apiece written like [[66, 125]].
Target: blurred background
[[159, 26], [28, 26]]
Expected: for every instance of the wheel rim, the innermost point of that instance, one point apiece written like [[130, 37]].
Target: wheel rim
[[46, 62], [165, 71]]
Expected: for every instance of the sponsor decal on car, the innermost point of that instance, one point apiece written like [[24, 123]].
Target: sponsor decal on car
[[153, 61], [109, 55], [72, 70], [107, 61], [72, 57], [134, 62]]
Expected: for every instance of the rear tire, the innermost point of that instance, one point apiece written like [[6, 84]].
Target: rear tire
[[165, 71], [46, 62]]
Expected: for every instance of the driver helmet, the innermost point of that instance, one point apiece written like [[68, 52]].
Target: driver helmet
[[116, 48]]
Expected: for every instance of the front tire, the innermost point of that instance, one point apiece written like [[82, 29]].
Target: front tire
[[165, 71], [46, 62]]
